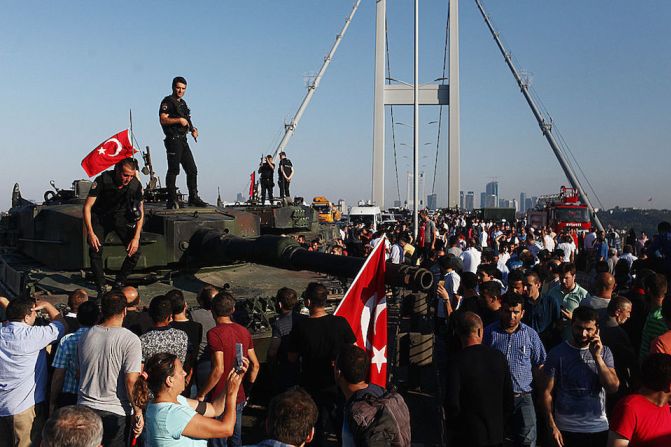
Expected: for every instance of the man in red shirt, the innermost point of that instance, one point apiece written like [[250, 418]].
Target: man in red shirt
[[221, 341], [643, 419]]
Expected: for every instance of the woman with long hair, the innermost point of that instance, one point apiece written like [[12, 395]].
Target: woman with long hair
[[174, 420]]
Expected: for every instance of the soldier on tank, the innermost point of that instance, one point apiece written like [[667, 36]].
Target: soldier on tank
[[114, 204], [175, 119]]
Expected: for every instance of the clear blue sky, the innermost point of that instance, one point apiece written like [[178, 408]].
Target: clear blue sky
[[72, 70]]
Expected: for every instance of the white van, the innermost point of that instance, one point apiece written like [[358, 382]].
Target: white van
[[370, 216]]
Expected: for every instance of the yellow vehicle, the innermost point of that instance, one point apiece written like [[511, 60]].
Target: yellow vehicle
[[328, 213]]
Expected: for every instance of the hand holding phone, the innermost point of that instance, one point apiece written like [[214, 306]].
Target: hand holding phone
[[239, 355], [595, 345]]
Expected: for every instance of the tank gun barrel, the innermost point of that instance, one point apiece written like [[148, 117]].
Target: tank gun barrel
[[211, 247]]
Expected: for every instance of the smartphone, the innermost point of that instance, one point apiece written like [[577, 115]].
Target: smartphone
[[238, 357]]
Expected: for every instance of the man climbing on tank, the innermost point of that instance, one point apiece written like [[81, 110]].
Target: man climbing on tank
[[114, 204], [175, 118]]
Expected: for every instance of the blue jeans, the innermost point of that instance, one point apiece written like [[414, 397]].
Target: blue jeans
[[523, 421], [236, 439]]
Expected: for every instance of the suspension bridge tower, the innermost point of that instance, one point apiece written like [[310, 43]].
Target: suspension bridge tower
[[413, 94]]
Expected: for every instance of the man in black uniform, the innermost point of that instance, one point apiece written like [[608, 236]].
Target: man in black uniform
[[114, 204], [266, 170], [175, 118], [284, 174]]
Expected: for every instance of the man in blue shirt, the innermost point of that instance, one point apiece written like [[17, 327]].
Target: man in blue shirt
[[541, 312], [525, 354], [23, 369]]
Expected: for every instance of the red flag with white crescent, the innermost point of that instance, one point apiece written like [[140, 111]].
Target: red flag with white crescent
[[252, 182], [365, 309], [108, 153]]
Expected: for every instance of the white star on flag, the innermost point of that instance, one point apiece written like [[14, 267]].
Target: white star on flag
[[101, 150], [379, 357]]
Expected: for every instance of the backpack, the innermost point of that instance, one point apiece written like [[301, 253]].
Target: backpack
[[380, 421]]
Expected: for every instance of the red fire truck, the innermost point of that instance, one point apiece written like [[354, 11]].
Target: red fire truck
[[562, 212]]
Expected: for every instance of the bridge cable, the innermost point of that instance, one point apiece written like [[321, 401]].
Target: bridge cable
[[440, 112], [391, 110]]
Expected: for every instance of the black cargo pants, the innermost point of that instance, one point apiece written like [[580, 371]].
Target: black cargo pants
[[102, 226], [178, 151]]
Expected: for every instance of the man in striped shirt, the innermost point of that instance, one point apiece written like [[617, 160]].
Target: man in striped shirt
[[525, 354]]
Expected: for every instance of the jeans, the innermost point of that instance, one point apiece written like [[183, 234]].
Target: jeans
[[598, 439], [523, 421], [116, 429], [236, 439]]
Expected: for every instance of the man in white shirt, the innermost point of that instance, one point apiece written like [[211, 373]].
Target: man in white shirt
[[471, 257]]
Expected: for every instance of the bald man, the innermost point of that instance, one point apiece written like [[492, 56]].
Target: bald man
[[604, 286], [136, 320], [479, 390]]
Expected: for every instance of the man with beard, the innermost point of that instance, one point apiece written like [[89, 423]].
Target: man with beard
[[579, 373]]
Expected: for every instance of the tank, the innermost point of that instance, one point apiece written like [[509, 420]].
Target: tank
[[43, 250]]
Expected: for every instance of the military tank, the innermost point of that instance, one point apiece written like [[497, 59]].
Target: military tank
[[43, 249]]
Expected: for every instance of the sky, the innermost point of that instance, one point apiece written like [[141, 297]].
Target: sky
[[71, 71]]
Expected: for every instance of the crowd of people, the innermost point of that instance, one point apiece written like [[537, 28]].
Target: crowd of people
[[530, 355], [164, 374], [541, 339]]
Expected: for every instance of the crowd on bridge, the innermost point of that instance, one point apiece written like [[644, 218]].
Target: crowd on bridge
[[540, 339]]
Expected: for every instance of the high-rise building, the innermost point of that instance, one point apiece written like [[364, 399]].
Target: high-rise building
[[483, 200], [461, 200], [534, 201], [504, 203], [492, 201], [492, 189], [528, 204], [239, 197], [523, 201], [469, 201], [432, 201]]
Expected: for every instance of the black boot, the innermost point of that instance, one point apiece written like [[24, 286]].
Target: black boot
[[172, 205], [194, 200]]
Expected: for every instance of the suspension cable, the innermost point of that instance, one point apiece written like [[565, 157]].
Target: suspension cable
[[391, 110], [440, 112]]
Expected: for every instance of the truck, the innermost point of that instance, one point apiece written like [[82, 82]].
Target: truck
[[371, 216], [327, 211], [563, 212]]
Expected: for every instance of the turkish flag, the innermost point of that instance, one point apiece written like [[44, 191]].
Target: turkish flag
[[365, 309], [108, 153], [252, 182]]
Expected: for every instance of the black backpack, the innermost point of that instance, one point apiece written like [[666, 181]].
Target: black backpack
[[380, 421]]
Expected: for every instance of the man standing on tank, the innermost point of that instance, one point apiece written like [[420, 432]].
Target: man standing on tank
[[175, 118], [285, 172], [114, 204]]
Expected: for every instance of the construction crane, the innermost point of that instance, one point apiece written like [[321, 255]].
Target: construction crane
[[291, 126], [545, 125]]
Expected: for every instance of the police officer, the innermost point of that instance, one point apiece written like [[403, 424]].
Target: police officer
[[114, 204], [267, 169], [285, 172], [175, 118]]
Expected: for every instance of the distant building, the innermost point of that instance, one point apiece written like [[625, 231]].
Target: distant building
[[239, 197], [492, 191], [469, 201], [523, 201], [483, 200], [342, 206], [461, 200], [504, 203], [528, 204], [534, 201], [432, 201]]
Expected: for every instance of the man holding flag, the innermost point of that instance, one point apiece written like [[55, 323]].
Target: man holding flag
[[114, 204]]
